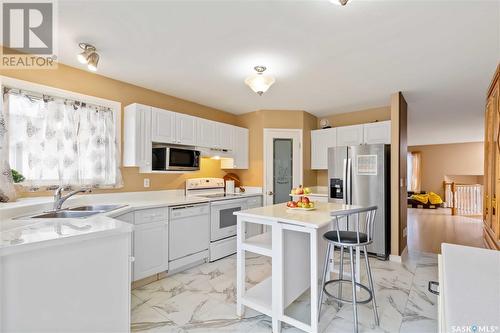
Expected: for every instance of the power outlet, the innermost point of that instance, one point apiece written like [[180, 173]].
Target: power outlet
[[146, 182]]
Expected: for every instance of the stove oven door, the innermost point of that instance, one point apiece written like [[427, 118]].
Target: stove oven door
[[222, 219]]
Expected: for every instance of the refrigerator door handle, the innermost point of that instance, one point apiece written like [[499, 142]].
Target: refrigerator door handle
[[344, 183], [349, 171]]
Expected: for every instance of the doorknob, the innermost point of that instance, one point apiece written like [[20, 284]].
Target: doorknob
[[270, 193]]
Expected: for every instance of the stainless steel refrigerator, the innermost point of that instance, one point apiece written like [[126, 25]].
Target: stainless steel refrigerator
[[360, 175]]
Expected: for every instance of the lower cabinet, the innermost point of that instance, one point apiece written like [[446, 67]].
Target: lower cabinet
[[150, 249], [149, 241]]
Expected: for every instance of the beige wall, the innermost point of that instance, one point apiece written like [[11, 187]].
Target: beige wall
[[84, 82], [457, 159], [256, 122], [352, 118]]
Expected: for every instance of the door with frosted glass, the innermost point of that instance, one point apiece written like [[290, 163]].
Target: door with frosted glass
[[282, 169], [282, 164]]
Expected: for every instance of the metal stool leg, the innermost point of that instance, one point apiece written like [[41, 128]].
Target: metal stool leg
[[353, 279], [372, 288], [325, 272], [341, 273]]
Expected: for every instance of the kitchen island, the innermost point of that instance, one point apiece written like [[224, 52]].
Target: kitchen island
[[293, 239]]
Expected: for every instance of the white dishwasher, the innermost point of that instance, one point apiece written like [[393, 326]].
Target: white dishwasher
[[189, 235]]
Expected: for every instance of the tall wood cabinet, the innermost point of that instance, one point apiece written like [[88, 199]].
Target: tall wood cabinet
[[492, 165]]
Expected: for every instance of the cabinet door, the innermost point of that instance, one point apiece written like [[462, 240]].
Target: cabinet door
[[349, 135], [137, 137], [240, 151], [321, 140], [150, 249], [379, 132], [185, 129], [163, 126], [225, 136], [207, 136]]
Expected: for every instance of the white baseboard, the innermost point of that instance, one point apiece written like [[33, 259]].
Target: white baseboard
[[395, 258]]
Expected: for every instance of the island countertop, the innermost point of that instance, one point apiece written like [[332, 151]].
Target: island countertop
[[316, 219]]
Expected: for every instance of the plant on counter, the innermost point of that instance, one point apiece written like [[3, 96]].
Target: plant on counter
[[17, 177]]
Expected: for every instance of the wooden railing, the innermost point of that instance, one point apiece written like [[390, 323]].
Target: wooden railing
[[463, 199]]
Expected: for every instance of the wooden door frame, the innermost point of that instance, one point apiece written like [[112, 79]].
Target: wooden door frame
[[267, 131]]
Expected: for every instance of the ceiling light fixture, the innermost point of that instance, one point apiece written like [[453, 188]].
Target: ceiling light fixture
[[339, 2], [89, 56], [259, 82]]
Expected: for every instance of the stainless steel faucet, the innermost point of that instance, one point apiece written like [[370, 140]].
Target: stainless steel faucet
[[59, 199]]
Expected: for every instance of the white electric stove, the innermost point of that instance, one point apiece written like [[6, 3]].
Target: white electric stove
[[222, 219]]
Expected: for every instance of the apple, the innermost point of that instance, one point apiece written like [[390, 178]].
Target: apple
[[294, 204], [311, 204], [307, 190], [305, 200], [300, 204], [299, 191]]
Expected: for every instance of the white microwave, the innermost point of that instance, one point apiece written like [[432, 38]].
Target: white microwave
[[175, 159]]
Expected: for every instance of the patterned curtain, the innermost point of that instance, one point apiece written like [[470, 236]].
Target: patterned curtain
[[56, 142], [7, 190]]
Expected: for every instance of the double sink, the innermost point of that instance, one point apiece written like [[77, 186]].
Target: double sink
[[77, 212]]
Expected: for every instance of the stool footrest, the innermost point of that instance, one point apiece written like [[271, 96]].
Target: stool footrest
[[342, 300]]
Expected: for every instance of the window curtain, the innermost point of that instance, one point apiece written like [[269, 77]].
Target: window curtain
[[56, 142], [7, 189], [416, 171]]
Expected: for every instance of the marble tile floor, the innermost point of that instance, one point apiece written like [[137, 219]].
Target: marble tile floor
[[202, 299]]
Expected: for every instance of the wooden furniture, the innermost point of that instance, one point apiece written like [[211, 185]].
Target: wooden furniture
[[491, 219], [322, 139]]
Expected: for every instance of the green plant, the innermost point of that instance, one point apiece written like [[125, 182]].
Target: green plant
[[18, 178]]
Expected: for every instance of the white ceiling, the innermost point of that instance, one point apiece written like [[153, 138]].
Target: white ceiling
[[326, 58]]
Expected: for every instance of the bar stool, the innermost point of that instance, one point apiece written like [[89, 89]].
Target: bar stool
[[357, 239]]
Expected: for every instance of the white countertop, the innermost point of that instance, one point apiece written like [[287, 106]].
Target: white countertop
[[471, 278], [317, 218], [26, 234]]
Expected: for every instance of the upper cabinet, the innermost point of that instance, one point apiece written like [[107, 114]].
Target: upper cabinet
[[137, 142], [172, 127], [163, 126], [379, 132], [207, 133], [240, 150], [350, 135], [145, 125], [321, 140]]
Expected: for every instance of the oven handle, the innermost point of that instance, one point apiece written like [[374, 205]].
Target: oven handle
[[232, 202]]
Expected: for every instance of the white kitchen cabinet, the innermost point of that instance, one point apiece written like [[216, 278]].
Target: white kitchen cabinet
[[207, 133], [150, 249], [185, 129], [137, 140], [321, 140], [240, 150], [225, 135], [172, 127], [378, 132], [349, 135], [163, 126]]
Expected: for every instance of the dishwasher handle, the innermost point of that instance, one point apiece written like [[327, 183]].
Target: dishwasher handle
[[431, 289]]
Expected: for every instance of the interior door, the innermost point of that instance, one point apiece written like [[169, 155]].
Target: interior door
[[282, 164]]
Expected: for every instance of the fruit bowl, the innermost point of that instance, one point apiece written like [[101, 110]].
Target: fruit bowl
[[302, 209], [302, 204]]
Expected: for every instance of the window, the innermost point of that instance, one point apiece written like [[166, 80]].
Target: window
[[58, 141]]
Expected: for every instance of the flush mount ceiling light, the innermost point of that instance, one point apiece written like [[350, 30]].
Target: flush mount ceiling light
[[89, 56], [259, 82], [339, 2]]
